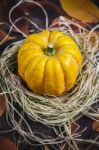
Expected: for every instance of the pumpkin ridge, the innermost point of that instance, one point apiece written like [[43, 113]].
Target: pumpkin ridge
[[43, 80], [63, 73], [71, 85], [45, 37], [77, 65], [28, 79], [49, 38], [29, 64], [27, 48], [74, 64], [20, 64], [69, 53], [55, 92], [22, 57], [67, 40], [55, 39], [59, 36], [37, 65], [32, 38], [49, 93], [74, 53]]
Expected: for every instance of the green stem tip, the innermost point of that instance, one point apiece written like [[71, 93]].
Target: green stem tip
[[50, 50]]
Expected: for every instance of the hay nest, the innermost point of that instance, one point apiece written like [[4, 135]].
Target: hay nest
[[54, 111]]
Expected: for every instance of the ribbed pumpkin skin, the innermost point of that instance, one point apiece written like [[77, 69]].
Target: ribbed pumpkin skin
[[50, 75]]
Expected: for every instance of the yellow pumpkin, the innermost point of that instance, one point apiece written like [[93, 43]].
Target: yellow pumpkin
[[49, 62]]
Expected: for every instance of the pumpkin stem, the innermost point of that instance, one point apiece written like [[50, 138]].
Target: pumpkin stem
[[50, 50]]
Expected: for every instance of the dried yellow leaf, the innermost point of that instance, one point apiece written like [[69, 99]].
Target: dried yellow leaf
[[84, 10]]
